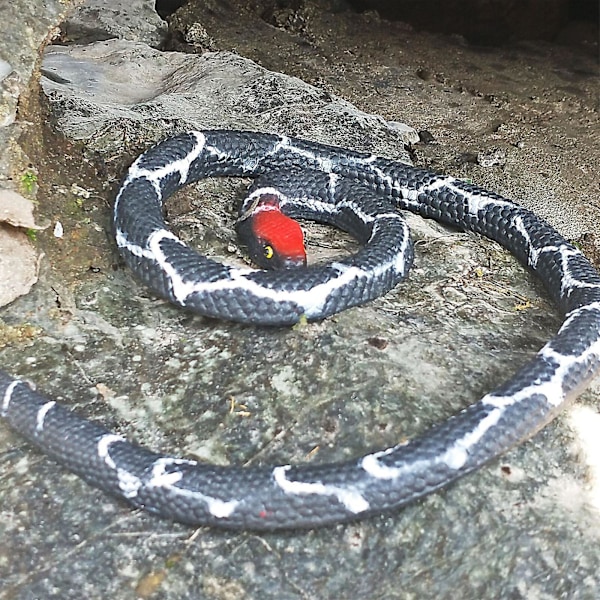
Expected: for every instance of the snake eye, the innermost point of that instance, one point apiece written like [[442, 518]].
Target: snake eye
[[268, 252]]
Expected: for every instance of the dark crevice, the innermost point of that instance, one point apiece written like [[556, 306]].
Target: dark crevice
[[492, 22], [165, 8], [584, 10]]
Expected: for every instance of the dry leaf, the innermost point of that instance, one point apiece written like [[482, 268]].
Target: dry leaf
[[19, 260], [16, 210]]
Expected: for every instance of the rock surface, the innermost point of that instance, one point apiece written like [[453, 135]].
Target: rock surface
[[521, 120], [18, 55], [107, 93], [135, 20]]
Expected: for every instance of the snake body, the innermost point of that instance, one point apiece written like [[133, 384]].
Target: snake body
[[360, 193]]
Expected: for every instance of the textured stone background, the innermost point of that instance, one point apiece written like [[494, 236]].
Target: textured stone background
[[520, 119]]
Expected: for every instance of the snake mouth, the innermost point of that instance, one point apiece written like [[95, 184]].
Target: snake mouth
[[293, 262]]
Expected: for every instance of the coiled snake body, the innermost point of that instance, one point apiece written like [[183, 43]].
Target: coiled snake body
[[361, 194]]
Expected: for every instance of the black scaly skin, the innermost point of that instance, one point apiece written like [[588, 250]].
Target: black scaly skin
[[267, 498]]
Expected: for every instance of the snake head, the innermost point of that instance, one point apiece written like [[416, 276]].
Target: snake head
[[274, 240]]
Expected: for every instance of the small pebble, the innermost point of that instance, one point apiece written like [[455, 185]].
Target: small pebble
[[491, 159], [5, 69]]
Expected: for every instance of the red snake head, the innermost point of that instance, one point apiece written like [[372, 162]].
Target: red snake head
[[274, 240]]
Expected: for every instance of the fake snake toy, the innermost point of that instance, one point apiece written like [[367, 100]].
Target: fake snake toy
[[361, 194]]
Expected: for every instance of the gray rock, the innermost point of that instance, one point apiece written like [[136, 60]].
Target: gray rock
[[96, 20], [25, 27], [107, 91]]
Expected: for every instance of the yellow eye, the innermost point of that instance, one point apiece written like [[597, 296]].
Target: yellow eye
[[268, 252]]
